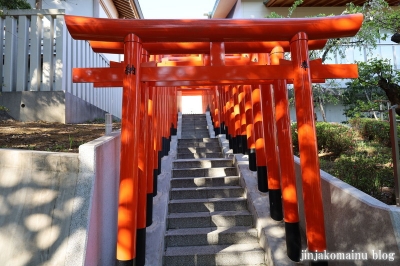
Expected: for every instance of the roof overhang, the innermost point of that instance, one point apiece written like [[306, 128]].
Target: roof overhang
[[222, 8], [321, 3], [129, 9]]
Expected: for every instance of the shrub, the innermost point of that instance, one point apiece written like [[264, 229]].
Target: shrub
[[334, 138], [367, 174], [373, 130]]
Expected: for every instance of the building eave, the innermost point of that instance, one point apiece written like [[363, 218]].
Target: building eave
[[129, 9]]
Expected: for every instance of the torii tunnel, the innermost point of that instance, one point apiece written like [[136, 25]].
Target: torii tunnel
[[238, 68]]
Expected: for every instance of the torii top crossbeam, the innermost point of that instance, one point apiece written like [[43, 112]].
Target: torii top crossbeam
[[212, 30]]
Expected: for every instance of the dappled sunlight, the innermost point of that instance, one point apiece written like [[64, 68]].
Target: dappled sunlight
[[14, 251], [37, 221], [31, 197], [47, 237], [37, 203]]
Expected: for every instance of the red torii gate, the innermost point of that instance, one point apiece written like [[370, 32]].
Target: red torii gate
[[135, 33]]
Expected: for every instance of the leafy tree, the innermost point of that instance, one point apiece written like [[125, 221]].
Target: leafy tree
[[14, 4], [380, 21], [377, 82]]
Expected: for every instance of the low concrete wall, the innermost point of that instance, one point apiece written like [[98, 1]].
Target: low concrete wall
[[96, 219], [60, 208], [354, 221], [50, 106]]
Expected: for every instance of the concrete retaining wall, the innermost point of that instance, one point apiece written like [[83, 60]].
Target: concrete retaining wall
[[95, 218], [60, 208], [354, 221], [51, 106]]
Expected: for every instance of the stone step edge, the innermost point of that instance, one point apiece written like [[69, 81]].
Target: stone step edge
[[201, 159], [213, 249], [199, 168], [213, 230], [235, 199], [177, 215], [205, 188]]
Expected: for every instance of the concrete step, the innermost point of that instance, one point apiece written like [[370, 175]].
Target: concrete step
[[205, 140], [203, 172], [204, 182], [199, 145], [199, 122], [202, 163], [192, 136], [198, 149], [211, 236], [209, 219], [206, 192], [207, 205], [194, 131], [194, 128], [199, 155], [219, 255]]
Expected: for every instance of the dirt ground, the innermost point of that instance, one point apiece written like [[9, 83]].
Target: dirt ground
[[44, 136]]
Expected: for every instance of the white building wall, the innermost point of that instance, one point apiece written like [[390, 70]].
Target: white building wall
[[89, 8]]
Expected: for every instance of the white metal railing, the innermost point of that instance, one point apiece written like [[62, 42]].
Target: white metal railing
[[39, 54]]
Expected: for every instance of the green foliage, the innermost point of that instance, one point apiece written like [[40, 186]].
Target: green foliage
[[365, 164], [335, 138], [367, 173], [14, 4], [293, 7], [365, 94], [332, 138], [373, 130]]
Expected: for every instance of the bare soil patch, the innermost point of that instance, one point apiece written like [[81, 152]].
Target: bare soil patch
[[45, 136]]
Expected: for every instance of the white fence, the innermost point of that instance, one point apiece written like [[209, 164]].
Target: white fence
[[39, 54]]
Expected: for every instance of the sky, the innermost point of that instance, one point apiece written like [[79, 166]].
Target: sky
[[176, 9]]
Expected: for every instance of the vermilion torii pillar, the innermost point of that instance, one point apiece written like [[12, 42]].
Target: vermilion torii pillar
[[135, 33]]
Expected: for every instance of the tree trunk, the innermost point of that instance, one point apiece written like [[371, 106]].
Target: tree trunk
[[38, 4], [321, 109], [392, 91]]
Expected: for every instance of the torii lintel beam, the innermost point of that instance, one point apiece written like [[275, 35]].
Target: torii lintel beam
[[214, 75], [201, 47], [212, 30]]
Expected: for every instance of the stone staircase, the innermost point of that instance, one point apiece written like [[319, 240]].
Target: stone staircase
[[208, 222]]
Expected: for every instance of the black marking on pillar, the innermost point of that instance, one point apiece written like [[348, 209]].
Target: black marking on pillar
[[155, 178], [222, 127], [293, 241], [230, 138], [159, 162], [131, 262], [252, 160], [244, 145], [234, 145], [149, 209], [262, 178], [238, 144], [164, 146], [275, 204], [319, 263], [169, 144], [140, 246], [217, 130]]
